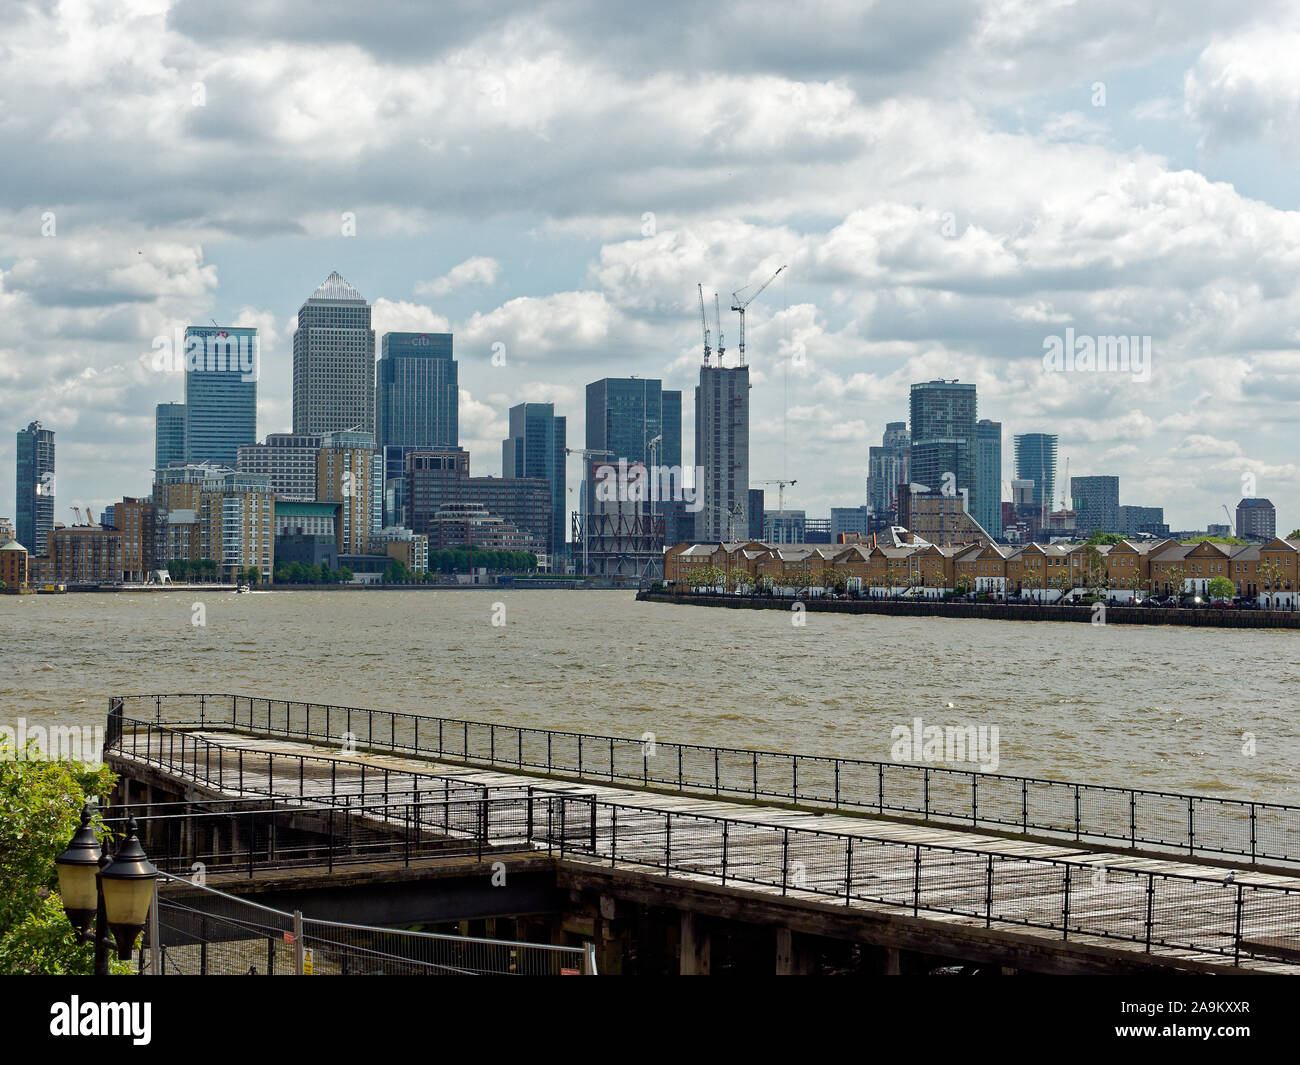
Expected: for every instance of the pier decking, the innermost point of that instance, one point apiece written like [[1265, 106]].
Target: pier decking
[[1133, 907]]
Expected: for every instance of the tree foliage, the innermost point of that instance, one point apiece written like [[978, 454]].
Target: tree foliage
[[40, 808]]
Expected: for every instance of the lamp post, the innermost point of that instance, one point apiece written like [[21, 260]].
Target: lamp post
[[115, 891]]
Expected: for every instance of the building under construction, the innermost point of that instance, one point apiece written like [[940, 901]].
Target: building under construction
[[619, 529]]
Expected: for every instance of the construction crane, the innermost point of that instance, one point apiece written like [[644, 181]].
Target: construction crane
[[1231, 524], [780, 492], [717, 317], [704, 323], [586, 454], [740, 305]]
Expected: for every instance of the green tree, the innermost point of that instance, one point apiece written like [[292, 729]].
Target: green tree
[[40, 808], [1221, 588], [1097, 537]]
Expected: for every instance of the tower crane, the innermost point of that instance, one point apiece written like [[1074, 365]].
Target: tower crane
[[587, 454], [780, 492], [741, 304], [717, 317], [704, 324]]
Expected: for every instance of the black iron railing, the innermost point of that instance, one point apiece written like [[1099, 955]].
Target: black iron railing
[[1128, 817], [1160, 912]]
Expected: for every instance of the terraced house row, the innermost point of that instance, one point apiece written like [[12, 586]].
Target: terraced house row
[[1269, 572]]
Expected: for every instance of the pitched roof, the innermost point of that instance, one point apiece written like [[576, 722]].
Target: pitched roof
[[336, 288], [12, 545]]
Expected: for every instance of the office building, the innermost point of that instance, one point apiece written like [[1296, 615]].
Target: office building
[[988, 476], [221, 368], [943, 445], [1134, 521], [855, 521], [1095, 501], [756, 514], [168, 434], [334, 362], [417, 391], [887, 468], [784, 527], [535, 448], [1035, 457]]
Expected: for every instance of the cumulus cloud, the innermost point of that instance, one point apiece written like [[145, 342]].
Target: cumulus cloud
[[612, 163], [480, 270]]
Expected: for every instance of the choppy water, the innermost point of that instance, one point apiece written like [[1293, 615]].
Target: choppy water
[[1150, 707]]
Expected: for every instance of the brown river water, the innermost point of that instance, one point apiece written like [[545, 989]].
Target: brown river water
[[1149, 707]]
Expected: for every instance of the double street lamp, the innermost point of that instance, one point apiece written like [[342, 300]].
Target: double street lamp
[[112, 890]]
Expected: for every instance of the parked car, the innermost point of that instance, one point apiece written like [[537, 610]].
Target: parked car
[[1222, 604]]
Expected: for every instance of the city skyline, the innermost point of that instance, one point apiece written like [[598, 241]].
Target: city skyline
[[1123, 189]]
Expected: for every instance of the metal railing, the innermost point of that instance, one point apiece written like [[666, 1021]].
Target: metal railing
[[1072, 899], [201, 931], [185, 839], [1130, 817]]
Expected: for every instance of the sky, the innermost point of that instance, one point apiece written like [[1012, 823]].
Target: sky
[[949, 185]]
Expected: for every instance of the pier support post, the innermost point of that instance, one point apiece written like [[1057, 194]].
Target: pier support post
[[695, 947], [792, 956]]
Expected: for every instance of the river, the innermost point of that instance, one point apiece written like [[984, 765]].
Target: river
[[1155, 707]]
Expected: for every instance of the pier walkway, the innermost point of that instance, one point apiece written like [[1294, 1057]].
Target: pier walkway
[[1201, 912]]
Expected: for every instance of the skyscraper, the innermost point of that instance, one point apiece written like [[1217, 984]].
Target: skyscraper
[[169, 434], [624, 414], [221, 366], [944, 439], [1036, 461], [417, 392], [722, 450], [34, 488], [1096, 499], [887, 468], [334, 362], [417, 406], [535, 448], [988, 475]]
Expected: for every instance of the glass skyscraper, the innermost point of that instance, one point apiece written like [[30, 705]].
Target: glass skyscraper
[[221, 368], [988, 476], [417, 392], [625, 413], [535, 448], [334, 362], [34, 488], [1036, 461], [169, 435], [944, 439]]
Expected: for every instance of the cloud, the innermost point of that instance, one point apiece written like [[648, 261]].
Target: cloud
[[479, 270]]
